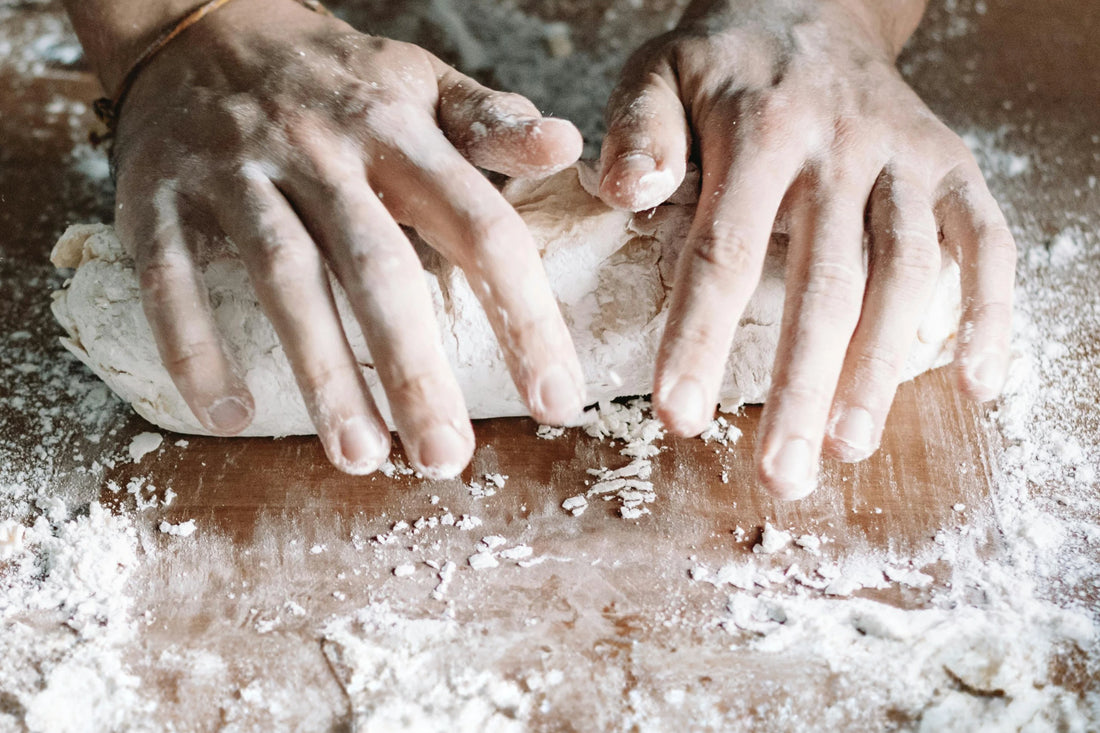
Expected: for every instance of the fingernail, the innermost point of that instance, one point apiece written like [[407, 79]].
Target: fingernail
[[362, 445], [638, 182], [792, 469], [687, 402], [856, 429], [558, 397], [442, 453], [987, 374], [637, 163], [229, 414]]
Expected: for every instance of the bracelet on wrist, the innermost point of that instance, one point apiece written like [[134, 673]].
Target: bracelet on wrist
[[107, 109]]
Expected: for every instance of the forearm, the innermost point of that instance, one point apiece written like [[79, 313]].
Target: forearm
[[114, 33], [891, 21]]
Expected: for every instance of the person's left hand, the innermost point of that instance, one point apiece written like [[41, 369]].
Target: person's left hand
[[796, 110]]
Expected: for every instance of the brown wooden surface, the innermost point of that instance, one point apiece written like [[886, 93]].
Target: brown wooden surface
[[1036, 61]]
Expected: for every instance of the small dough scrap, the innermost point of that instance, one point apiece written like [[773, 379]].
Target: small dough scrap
[[143, 444], [611, 270]]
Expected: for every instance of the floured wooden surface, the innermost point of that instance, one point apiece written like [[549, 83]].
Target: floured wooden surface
[[282, 607]]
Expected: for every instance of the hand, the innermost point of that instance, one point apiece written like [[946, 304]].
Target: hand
[[795, 111], [307, 144]]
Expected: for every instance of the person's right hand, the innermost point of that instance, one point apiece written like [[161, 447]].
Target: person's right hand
[[796, 113], [308, 144]]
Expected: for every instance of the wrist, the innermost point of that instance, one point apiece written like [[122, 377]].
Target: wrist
[[114, 33], [887, 25], [892, 23]]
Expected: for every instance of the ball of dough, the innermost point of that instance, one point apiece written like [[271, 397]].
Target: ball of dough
[[612, 272]]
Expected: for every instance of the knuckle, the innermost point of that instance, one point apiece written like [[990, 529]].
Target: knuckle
[[376, 109], [724, 248], [875, 364], [998, 244], [953, 150], [487, 229], [833, 287], [162, 273], [854, 136], [283, 261], [772, 109], [328, 182], [377, 265], [700, 339], [240, 119], [190, 357], [910, 259], [417, 387], [322, 376], [996, 314], [771, 118], [802, 395], [964, 181], [533, 333]]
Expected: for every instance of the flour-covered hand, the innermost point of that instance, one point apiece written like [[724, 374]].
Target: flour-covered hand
[[309, 145], [796, 112]]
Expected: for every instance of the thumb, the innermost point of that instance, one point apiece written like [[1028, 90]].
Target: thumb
[[644, 157], [503, 132]]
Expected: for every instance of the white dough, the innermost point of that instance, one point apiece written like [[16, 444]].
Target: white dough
[[611, 270]]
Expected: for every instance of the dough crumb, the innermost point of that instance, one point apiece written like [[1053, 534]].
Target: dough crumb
[[809, 542], [519, 552], [492, 542], [548, 432], [575, 505], [446, 574], [143, 444], [480, 491], [404, 571], [772, 540], [183, 529], [11, 539], [482, 561], [721, 431], [466, 523]]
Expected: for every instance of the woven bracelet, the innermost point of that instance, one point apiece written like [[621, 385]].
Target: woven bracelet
[[107, 109]]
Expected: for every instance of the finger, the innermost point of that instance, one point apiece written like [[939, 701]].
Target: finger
[[904, 265], [974, 225], [177, 307], [503, 132], [384, 281], [644, 156], [292, 286], [457, 211], [825, 283], [742, 188]]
